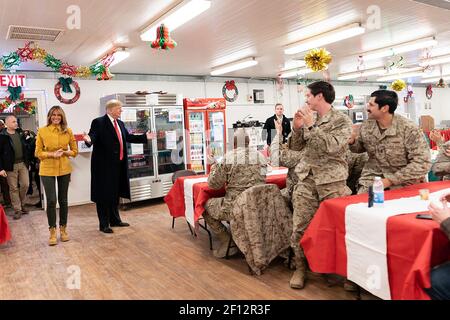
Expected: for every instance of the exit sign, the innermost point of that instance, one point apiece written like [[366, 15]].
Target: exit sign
[[12, 80]]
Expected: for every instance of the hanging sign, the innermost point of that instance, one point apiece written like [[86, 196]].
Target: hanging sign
[[12, 80]]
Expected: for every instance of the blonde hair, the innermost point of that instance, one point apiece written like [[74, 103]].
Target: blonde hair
[[113, 103], [63, 117]]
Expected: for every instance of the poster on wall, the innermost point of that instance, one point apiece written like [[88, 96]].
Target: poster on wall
[[258, 96]]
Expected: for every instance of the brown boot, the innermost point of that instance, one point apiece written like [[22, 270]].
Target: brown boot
[[221, 251], [299, 276], [17, 215], [63, 233], [52, 240]]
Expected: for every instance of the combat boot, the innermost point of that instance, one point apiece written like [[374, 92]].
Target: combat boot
[[224, 240], [52, 240], [63, 232], [299, 276]]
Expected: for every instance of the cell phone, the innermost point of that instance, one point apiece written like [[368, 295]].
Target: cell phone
[[424, 216]]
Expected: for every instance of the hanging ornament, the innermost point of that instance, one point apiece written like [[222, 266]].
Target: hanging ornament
[[53, 63], [64, 84], [230, 86], [395, 62], [39, 54], [163, 40], [398, 85], [25, 53], [83, 72], [441, 83], [326, 75], [360, 68], [408, 95], [11, 60], [68, 70], [15, 93], [349, 101], [318, 59], [429, 92], [280, 85]]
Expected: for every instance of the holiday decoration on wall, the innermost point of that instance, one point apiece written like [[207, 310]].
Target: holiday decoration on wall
[[409, 94], [31, 52], [349, 101], [429, 92], [230, 86], [395, 62], [163, 40], [15, 102], [318, 59], [64, 84], [398, 85]]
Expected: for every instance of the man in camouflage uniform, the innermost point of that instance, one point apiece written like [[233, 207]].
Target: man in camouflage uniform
[[398, 152], [322, 171], [240, 169]]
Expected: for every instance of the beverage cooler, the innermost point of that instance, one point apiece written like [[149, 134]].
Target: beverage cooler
[[152, 165], [206, 130]]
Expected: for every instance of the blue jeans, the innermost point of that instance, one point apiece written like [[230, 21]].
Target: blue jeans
[[440, 282]]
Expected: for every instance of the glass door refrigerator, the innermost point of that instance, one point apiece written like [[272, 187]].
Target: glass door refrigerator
[[151, 165], [206, 131]]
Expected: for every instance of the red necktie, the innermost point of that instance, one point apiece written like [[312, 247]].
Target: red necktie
[[120, 139]]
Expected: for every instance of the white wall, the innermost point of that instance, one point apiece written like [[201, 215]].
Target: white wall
[[81, 113]]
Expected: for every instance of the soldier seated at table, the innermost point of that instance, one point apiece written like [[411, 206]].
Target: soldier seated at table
[[282, 156], [397, 150], [240, 169]]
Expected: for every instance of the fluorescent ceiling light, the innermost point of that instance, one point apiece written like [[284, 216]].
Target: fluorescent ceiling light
[[120, 55], [292, 64], [362, 73], [238, 65], [436, 60], [401, 48], [294, 73], [175, 17], [435, 80], [336, 35], [402, 76]]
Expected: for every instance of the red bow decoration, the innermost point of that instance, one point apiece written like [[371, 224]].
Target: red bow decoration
[[25, 53], [163, 40], [229, 85], [68, 70]]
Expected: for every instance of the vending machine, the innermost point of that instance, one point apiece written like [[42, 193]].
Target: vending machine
[[206, 129], [151, 165]]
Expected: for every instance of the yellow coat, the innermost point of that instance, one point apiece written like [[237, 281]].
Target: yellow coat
[[50, 139]]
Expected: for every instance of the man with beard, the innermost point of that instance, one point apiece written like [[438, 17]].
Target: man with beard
[[398, 152]]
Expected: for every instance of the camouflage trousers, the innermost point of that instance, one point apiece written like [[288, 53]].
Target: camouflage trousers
[[214, 215], [306, 199]]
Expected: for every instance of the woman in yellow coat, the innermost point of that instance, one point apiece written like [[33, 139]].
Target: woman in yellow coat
[[55, 143]]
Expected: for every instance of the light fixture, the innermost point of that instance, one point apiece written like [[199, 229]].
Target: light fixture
[[238, 65], [176, 16], [413, 73], [436, 60], [120, 55], [363, 73], [336, 35], [400, 48], [292, 64], [294, 72], [436, 79]]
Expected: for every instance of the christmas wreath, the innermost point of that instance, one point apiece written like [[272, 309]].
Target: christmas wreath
[[230, 86], [64, 84], [429, 92]]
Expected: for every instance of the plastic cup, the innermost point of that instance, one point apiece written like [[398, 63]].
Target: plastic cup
[[424, 194]]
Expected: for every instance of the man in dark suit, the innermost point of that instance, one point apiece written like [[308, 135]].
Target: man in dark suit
[[269, 126], [109, 164]]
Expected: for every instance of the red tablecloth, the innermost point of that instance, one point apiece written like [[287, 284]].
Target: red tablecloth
[[201, 192], [414, 246], [5, 234]]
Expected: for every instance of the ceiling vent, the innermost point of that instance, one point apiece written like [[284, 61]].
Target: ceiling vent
[[442, 4], [33, 33]]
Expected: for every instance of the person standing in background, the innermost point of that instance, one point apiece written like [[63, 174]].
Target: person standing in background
[[55, 143], [269, 129], [3, 182]]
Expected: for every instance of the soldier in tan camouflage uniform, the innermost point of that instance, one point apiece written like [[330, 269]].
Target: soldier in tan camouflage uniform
[[322, 171], [240, 169], [281, 155], [397, 150]]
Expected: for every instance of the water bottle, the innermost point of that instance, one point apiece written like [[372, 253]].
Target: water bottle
[[378, 192]]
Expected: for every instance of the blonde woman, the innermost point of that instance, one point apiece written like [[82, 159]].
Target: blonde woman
[[55, 143]]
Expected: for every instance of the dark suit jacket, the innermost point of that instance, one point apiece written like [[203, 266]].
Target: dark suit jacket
[[109, 175], [269, 128], [7, 153]]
